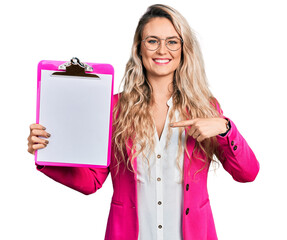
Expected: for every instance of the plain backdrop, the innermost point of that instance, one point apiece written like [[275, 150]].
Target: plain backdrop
[[244, 48]]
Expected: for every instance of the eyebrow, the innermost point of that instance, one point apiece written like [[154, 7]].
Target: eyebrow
[[159, 37]]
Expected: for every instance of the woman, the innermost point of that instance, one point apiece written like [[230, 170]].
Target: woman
[[167, 126]]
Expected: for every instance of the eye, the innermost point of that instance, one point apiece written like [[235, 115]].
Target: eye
[[173, 41], [152, 41]]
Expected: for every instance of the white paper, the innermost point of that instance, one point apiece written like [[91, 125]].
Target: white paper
[[76, 112]]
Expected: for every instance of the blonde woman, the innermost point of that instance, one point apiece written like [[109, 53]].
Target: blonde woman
[[167, 128]]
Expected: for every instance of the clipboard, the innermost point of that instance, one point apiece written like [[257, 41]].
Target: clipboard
[[74, 103]]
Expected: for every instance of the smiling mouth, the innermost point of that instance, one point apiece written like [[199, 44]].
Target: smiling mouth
[[161, 61]]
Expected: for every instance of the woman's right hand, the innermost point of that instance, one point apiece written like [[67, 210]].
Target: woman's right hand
[[34, 142]]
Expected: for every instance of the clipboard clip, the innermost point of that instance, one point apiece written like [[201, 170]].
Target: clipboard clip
[[75, 68]]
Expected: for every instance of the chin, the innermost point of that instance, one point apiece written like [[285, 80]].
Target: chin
[[163, 74]]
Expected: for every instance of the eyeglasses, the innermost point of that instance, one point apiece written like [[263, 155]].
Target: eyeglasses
[[152, 43]]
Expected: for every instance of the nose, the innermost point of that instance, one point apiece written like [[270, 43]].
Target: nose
[[162, 47]]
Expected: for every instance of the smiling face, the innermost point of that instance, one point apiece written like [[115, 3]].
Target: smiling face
[[161, 62]]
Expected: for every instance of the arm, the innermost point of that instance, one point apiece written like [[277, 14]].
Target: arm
[[236, 156], [83, 179]]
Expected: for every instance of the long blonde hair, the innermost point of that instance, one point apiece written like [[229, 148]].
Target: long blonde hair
[[191, 95]]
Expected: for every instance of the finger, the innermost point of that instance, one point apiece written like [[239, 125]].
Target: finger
[[196, 134], [38, 146], [34, 147], [200, 138], [35, 139], [182, 123], [37, 126], [42, 133], [191, 130]]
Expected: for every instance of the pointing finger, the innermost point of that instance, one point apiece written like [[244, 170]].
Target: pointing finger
[[185, 123]]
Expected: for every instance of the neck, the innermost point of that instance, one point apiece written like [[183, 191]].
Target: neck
[[162, 88]]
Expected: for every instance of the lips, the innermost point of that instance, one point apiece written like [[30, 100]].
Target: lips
[[161, 60]]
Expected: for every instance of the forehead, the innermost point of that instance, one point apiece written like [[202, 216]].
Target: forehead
[[160, 27]]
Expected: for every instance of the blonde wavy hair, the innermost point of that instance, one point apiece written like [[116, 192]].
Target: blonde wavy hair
[[191, 95]]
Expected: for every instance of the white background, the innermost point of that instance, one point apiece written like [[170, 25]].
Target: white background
[[244, 48]]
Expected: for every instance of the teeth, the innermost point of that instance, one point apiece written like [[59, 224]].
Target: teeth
[[161, 61]]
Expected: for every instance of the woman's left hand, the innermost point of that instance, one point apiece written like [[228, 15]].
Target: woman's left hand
[[202, 128]]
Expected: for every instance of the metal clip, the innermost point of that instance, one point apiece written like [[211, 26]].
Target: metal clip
[[76, 61]]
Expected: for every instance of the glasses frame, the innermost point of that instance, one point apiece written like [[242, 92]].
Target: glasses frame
[[165, 39]]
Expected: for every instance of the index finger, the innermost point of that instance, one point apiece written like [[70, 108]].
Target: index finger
[[185, 123], [36, 126]]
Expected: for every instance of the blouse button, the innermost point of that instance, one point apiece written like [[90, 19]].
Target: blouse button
[[187, 187], [187, 211], [159, 202], [158, 179], [158, 156], [159, 226]]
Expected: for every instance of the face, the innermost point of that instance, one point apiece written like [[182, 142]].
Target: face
[[161, 62]]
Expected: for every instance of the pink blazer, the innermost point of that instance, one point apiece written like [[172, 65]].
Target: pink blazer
[[198, 224]]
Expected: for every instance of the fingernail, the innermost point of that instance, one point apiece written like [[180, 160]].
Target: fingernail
[[48, 134], [44, 128], [46, 141], [171, 125]]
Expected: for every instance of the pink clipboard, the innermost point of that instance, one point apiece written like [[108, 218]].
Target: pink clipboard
[[77, 111]]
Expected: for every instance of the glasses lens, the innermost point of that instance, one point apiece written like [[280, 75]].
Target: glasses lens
[[173, 44], [151, 43]]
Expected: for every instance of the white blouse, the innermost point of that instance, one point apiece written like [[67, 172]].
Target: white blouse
[[160, 197]]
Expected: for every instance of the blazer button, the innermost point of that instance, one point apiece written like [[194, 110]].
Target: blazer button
[[232, 143], [187, 187], [187, 211], [235, 147]]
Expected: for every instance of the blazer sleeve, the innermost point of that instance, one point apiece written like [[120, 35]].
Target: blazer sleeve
[[83, 179], [236, 156]]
